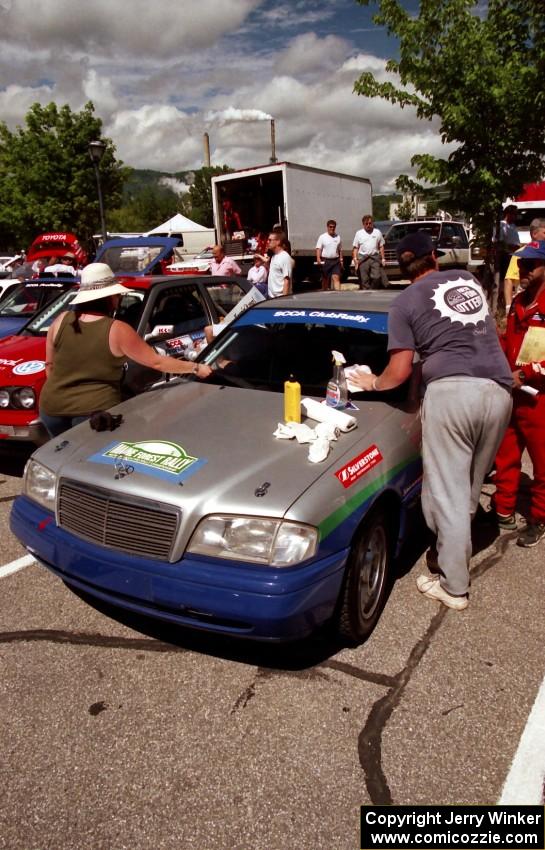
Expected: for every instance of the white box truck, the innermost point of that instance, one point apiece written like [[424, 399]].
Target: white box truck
[[250, 202]]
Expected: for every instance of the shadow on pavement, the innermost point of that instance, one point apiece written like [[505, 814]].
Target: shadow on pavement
[[295, 655], [13, 457]]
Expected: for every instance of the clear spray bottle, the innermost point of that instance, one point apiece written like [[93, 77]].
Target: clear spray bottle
[[337, 392]]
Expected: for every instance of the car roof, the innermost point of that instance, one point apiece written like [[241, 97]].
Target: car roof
[[425, 222], [378, 301], [150, 281], [140, 242]]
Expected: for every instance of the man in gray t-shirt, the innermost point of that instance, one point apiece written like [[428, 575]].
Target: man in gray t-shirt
[[444, 317]]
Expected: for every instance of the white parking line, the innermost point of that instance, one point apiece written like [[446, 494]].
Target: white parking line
[[524, 783], [14, 566]]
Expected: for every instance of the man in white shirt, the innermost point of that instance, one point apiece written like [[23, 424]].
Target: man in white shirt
[[329, 256], [368, 254], [280, 268]]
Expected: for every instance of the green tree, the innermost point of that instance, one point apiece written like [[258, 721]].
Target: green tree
[[144, 210], [479, 72], [198, 201], [405, 210], [381, 206], [47, 181]]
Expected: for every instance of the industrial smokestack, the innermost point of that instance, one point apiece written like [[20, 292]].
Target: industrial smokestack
[[206, 142], [273, 143]]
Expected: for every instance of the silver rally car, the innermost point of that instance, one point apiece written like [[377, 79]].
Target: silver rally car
[[194, 513]]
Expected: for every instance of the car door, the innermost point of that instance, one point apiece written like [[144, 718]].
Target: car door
[[172, 321], [453, 241]]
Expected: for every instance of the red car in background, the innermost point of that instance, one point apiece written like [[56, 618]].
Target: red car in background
[[57, 245], [169, 312]]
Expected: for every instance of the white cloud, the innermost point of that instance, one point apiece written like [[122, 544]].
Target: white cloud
[[161, 74], [100, 90], [307, 53], [161, 137], [163, 28]]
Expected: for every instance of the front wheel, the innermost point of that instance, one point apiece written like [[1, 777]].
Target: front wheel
[[366, 581]]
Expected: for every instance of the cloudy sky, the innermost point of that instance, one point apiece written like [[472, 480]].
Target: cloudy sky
[[161, 73]]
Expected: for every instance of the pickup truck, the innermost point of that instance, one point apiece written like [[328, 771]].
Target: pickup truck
[[450, 237]]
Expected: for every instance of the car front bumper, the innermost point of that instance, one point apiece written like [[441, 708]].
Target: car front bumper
[[213, 595], [31, 432]]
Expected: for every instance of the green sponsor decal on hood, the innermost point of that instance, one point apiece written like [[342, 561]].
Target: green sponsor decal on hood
[[157, 454]]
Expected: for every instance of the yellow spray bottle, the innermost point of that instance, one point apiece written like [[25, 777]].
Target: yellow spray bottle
[[292, 400]]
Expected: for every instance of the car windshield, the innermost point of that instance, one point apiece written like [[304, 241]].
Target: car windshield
[[129, 258], [129, 310], [265, 346], [399, 231], [26, 299]]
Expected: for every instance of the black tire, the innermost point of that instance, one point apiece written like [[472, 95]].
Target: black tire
[[367, 579]]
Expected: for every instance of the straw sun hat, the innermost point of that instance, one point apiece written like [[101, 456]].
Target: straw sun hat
[[97, 281]]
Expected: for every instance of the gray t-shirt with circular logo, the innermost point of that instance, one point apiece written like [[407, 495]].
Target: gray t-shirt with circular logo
[[444, 316]]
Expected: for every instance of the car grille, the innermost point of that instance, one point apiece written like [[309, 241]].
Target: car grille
[[137, 528], [390, 255]]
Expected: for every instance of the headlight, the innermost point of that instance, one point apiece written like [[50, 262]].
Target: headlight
[[40, 484], [4, 399], [25, 398], [273, 542]]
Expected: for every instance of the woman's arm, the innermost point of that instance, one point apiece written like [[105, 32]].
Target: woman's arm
[[125, 342]]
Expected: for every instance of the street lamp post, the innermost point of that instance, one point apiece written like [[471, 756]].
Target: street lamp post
[[96, 152]]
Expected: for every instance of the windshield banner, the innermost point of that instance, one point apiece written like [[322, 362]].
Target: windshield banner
[[377, 322]]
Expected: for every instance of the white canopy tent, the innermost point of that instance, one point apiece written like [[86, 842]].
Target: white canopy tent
[[177, 224]]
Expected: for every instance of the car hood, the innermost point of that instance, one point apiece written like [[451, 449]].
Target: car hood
[[26, 355], [236, 464]]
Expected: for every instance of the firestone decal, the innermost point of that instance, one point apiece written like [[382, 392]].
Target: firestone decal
[[461, 301], [152, 457], [30, 367], [358, 466]]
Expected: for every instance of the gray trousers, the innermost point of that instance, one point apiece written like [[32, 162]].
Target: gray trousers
[[463, 423], [370, 273]]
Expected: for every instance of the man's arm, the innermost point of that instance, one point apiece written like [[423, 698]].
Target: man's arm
[[397, 371], [355, 248]]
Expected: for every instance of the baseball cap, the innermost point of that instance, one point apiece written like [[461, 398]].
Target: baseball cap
[[418, 243], [532, 251]]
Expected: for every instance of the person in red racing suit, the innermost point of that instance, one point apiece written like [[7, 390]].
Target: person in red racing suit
[[527, 426]]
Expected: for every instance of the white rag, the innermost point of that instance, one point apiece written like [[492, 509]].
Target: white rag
[[322, 413], [352, 371], [319, 437], [289, 430]]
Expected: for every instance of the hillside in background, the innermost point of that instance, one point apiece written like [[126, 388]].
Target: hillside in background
[[147, 178]]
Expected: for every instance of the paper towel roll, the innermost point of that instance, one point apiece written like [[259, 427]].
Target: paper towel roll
[[322, 413]]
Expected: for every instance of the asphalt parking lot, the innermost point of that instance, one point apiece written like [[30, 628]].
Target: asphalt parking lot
[[120, 733]]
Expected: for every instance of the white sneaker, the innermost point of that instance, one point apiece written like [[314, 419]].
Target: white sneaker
[[431, 588]]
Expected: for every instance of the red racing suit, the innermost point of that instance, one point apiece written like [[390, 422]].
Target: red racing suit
[[527, 426]]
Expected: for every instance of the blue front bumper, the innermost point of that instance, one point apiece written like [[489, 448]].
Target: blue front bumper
[[228, 597]]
